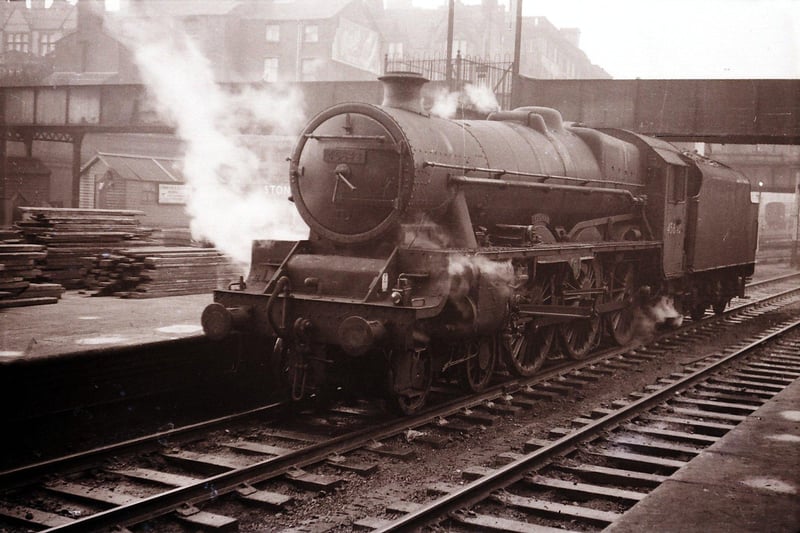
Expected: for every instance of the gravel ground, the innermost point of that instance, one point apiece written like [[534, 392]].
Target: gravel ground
[[398, 480]]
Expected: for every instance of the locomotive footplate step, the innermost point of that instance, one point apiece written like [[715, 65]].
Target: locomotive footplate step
[[309, 481]]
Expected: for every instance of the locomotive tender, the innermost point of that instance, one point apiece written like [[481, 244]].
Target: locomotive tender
[[442, 246]]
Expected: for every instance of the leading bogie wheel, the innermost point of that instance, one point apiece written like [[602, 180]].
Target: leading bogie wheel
[[698, 311], [477, 370], [410, 377]]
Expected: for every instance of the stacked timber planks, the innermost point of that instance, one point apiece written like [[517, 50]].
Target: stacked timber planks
[[150, 272], [19, 267], [71, 234]]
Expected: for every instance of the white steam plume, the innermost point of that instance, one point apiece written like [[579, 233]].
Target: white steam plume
[[650, 316], [482, 98], [464, 270], [230, 201], [479, 97]]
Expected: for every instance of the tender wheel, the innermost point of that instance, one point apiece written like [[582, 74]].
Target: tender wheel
[[698, 312], [719, 298], [526, 345], [579, 336], [623, 288], [478, 369], [409, 381]]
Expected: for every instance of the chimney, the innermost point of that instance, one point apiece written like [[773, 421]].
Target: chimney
[[403, 90]]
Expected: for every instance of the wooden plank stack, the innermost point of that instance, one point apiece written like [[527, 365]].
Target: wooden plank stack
[[19, 267], [150, 272], [71, 234]]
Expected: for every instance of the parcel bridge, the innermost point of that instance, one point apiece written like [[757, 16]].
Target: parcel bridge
[[719, 111]]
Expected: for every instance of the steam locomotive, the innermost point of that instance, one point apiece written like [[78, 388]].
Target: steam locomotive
[[442, 247]]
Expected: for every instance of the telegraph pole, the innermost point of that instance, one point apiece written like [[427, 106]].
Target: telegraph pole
[[517, 38], [451, 10]]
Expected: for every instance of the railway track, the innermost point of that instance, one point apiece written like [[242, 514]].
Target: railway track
[[612, 458], [191, 470]]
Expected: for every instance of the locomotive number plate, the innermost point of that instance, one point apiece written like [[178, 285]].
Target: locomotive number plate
[[344, 155]]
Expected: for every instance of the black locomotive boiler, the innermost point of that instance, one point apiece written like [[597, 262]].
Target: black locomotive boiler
[[442, 246]]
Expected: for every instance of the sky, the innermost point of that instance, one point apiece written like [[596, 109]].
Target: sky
[[679, 39]]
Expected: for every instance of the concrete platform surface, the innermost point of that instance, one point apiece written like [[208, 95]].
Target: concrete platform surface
[[81, 323], [749, 481]]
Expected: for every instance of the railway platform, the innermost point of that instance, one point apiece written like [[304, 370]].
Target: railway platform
[[80, 324], [748, 481]]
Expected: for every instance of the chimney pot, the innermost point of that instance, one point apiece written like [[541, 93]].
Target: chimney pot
[[403, 90]]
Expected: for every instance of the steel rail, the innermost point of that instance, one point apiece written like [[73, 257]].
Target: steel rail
[[478, 490], [775, 279], [23, 474], [229, 481]]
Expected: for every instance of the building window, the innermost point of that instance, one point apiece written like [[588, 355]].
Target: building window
[[309, 69], [273, 33], [47, 43], [270, 69], [311, 33], [149, 194], [19, 42], [395, 50]]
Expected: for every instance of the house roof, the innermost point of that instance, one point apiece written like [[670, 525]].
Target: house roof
[[291, 10], [59, 16], [140, 167], [185, 8]]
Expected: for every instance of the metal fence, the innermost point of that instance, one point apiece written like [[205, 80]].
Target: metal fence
[[495, 75]]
